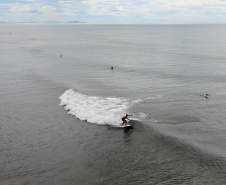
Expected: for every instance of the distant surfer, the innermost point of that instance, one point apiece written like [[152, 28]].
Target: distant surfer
[[112, 68], [61, 56], [207, 96], [124, 122]]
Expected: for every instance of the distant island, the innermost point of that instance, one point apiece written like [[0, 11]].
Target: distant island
[[50, 22], [76, 22], [67, 22]]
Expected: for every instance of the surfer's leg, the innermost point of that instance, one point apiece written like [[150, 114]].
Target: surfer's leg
[[123, 122]]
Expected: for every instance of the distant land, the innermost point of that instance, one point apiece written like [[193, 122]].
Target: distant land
[[51, 22], [76, 22], [67, 22]]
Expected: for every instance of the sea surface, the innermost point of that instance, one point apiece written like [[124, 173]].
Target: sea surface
[[61, 104]]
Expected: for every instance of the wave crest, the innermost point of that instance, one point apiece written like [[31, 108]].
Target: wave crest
[[94, 109]]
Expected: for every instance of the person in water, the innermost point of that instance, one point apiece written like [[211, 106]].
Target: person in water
[[124, 122], [207, 96]]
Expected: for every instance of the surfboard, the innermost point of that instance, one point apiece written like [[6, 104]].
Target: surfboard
[[126, 126]]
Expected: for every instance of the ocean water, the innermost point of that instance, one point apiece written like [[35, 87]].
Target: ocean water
[[60, 116]]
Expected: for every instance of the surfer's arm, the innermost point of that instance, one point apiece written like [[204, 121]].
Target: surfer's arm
[[129, 115]]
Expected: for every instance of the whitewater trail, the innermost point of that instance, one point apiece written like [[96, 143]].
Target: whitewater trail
[[96, 109]]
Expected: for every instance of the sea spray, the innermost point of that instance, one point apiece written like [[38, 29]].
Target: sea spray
[[96, 109]]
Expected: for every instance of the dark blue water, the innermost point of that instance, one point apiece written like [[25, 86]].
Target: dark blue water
[[160, 75]]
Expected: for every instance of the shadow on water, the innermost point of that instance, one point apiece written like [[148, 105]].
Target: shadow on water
[[128, 130], [127, 133]]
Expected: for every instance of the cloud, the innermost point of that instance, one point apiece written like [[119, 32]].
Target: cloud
[[20, 7], [64, 2], [117, 10], [47, 8]]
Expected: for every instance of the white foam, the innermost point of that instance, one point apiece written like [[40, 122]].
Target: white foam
[[137, 101], [95, 109], [153, 97], [142, 115], [142, 100]]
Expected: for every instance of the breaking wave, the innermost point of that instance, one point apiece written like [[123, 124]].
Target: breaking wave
[[96, 109]]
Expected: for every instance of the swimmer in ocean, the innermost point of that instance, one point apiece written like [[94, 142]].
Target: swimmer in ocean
[[207, 96]]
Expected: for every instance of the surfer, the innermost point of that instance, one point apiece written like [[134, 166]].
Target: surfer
[[112, 68], [124, 122], [207, 96]]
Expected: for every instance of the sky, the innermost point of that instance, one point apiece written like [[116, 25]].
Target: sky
[[114, 11]]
